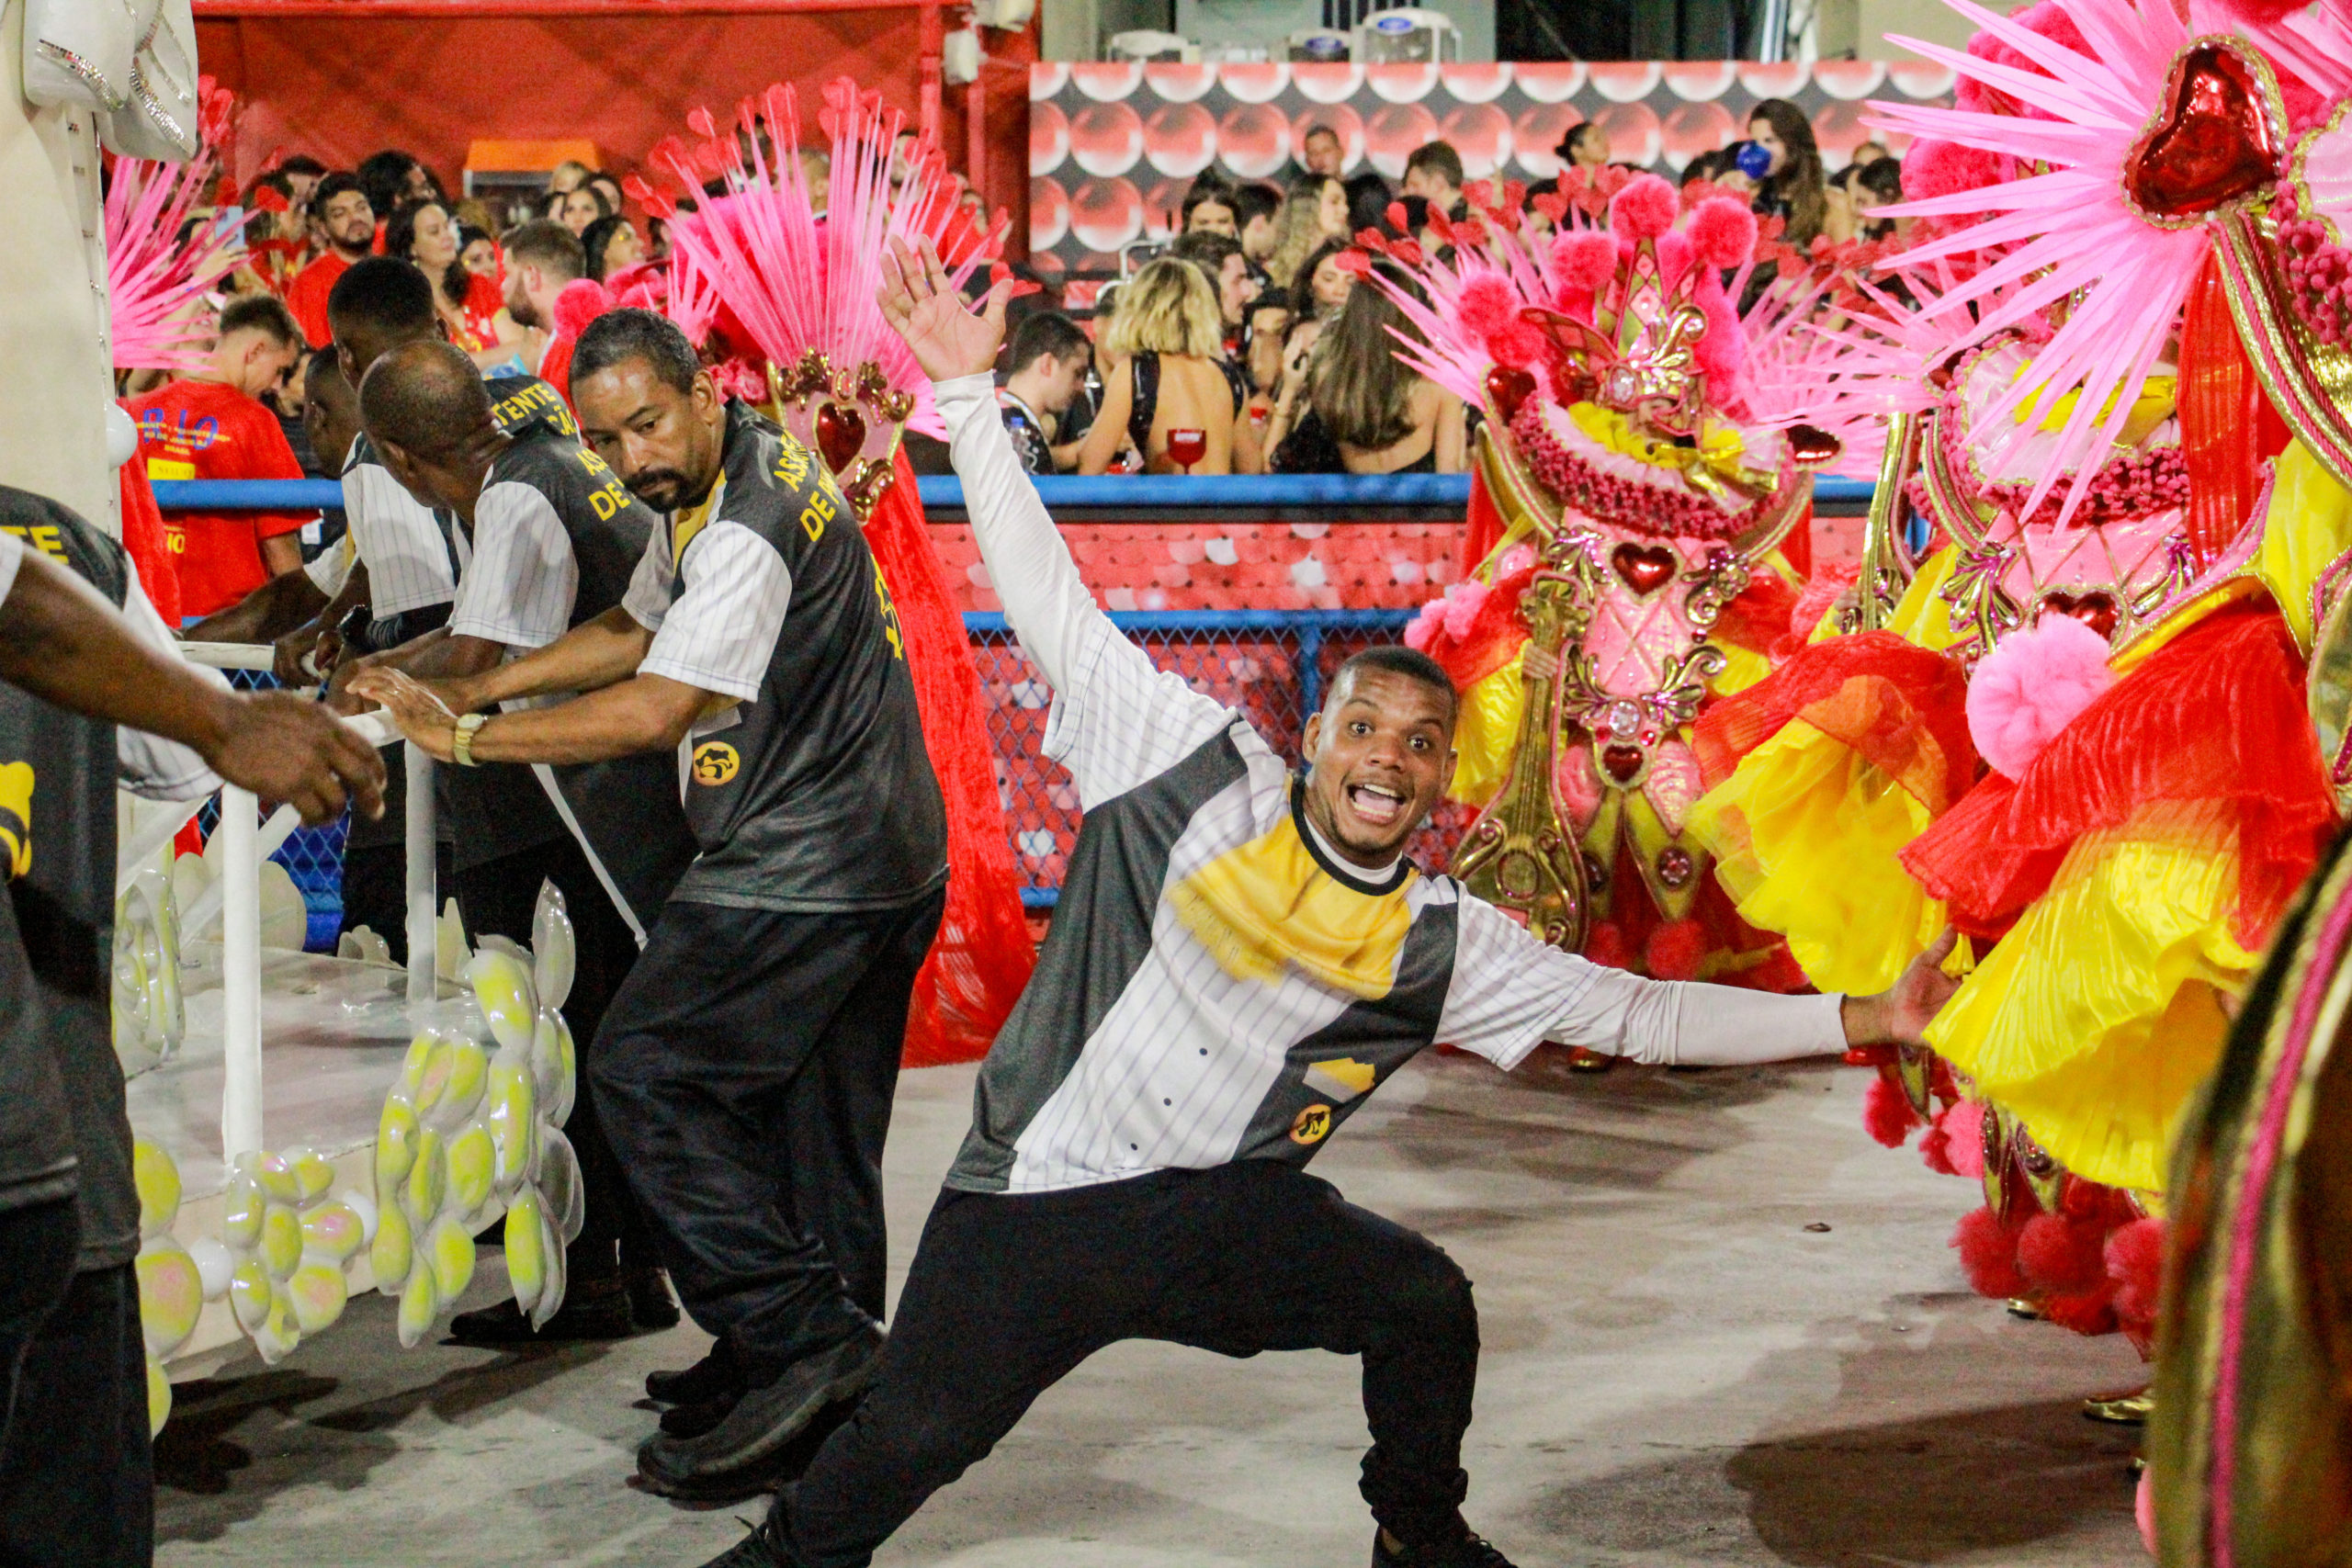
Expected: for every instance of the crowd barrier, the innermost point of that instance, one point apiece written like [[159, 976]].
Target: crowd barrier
[[1271, 664]]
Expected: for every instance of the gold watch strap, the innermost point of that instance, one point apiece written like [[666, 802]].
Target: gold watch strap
[[461, 746]]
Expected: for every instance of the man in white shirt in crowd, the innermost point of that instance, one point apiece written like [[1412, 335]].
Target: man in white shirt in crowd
[[1240, 957]]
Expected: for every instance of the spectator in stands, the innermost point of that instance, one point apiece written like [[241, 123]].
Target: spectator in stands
[[1208, 209], [1228, 270], [611, 246], [1045, 368], [1870, 153], [1256, 205], [469, 303], [1538, 220], [541, 257], [1358, 409], [1794, 189], [1316, 210], [1267, 323], [577, 207], [393, 178], [303, 173], [1166, 371], [346, 222], [1434, 171], [1323, 284], [817, 173], [570, 174], [1586, 146], [1322, 153], [608, 187], [212, 425], [1368, 200], [477, 252], [1879, 184]]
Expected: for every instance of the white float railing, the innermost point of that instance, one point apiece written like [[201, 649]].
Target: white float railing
[[235, 895]]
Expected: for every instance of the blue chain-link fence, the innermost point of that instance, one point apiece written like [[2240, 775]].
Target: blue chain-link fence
[[1271, 664]]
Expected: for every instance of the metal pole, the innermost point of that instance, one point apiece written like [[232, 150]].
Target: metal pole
[[422, 943], [240, 976]]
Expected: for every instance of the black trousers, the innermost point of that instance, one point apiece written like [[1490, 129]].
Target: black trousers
[[375, 888], [1009, 1293], [38, 1247], [498, 898], [746, 1071], [77, 1478]]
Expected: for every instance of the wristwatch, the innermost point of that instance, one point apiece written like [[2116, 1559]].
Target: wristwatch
[[461, 745]]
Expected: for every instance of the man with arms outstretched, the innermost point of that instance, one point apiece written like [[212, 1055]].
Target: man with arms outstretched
[[1240, 956]]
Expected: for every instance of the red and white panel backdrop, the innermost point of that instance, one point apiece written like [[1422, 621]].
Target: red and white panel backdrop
[[1113, 146]]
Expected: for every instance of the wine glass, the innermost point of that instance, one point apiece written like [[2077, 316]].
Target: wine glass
[[1188, 446]]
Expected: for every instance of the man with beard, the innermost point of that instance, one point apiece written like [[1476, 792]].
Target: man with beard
[[346, 222], [748, 1065], [541, 258]]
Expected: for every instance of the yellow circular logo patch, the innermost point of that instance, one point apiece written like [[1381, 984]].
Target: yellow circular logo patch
[[714, 762], [1312, 1125]]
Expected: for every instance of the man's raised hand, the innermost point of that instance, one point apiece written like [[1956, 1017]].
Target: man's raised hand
[[920, 303]]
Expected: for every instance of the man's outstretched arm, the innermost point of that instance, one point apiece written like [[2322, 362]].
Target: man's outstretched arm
[[61, 642]]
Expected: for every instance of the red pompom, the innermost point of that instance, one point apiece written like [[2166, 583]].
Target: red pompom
[[581, 302], [1723, 231], [2135, 1262], [1645, 208], [2261, 13], [1989, 1255], [1605, 945], [1963, 1127], [2087, 1312], [1518, 345], [1676, 950], [1887, 1115], [1584, 261], [1487, 306], [2061, 1257]]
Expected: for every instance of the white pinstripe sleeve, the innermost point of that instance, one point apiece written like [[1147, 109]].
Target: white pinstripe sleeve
[[1117, 719], [721, 635], [648, 598], [148, 764], [12, 552], [408, 563], [331, 568], [520, 586], [1512, 992]]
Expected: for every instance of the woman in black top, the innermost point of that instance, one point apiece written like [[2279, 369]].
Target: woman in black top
[[1794, 190], [1357, 408]]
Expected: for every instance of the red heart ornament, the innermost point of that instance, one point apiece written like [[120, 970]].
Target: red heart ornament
[[1621, 762], [840, 431], [1509, 387], [1645, 568], [2095, 610], [2216, 141]]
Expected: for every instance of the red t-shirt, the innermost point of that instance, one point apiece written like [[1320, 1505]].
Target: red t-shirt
[[307, 296], [203, 430]]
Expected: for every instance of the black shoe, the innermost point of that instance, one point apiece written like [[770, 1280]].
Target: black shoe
[[651, 1306], [739, 1456], [694, 1420], [602, 1315], [758, 1550], [716, 1376], [1465, 1550]]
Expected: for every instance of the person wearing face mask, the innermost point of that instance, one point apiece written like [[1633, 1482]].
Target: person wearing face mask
[[1792, 186]]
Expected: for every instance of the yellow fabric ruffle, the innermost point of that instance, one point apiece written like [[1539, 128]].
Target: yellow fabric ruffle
[[1922, 616], [1805, 835], [1485, 729], [2096, 1018], [2306, 530]]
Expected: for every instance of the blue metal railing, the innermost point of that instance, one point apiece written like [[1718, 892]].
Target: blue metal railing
[[1222, 492]]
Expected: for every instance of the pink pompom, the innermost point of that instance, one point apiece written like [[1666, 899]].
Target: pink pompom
[[1933, 168], [2136, 1261], [1463, 602], [1963, 1126], [2060, 1256], [2030, 687], [1645, 208], [581, 302], [1520, 345], [1422, 629], [1989, 1255], [1583, 261], [1723, 231], [2144, 1510], [1722, 349], [1887, 1115], [1486, 307]]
